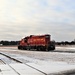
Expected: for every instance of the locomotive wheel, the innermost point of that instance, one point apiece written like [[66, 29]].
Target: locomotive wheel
[[38, 48], [51, 48], [19, 47]]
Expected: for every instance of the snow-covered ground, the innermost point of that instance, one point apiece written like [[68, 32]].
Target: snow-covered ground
[[66, 47], [51, 63]]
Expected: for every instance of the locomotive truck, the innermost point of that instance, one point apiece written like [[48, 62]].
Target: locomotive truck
[[37, 42]]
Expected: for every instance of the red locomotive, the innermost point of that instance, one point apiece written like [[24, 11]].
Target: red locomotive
[[38, 42]]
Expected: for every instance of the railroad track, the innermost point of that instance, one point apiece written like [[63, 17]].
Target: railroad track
[[57, 50], [18, 61], [3, 62], [62, 51]]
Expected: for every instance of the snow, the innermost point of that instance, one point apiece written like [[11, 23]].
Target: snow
[[51, 68], [23, 69], [57, 63], [72, 48], [6, 70]]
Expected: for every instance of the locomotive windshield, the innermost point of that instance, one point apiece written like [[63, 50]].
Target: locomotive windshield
[[47, 36]]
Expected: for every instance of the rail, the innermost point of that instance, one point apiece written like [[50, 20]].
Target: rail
[[18, 61]]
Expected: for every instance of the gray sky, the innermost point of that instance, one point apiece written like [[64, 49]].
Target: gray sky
[[19, 18]]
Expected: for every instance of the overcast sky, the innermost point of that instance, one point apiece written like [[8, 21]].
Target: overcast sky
[[19, 18]]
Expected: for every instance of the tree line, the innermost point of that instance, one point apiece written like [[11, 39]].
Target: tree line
[[16, 43], [65, 43], [9, 42]]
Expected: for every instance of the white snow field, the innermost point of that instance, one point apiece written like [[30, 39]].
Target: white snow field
[[39, 63]]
